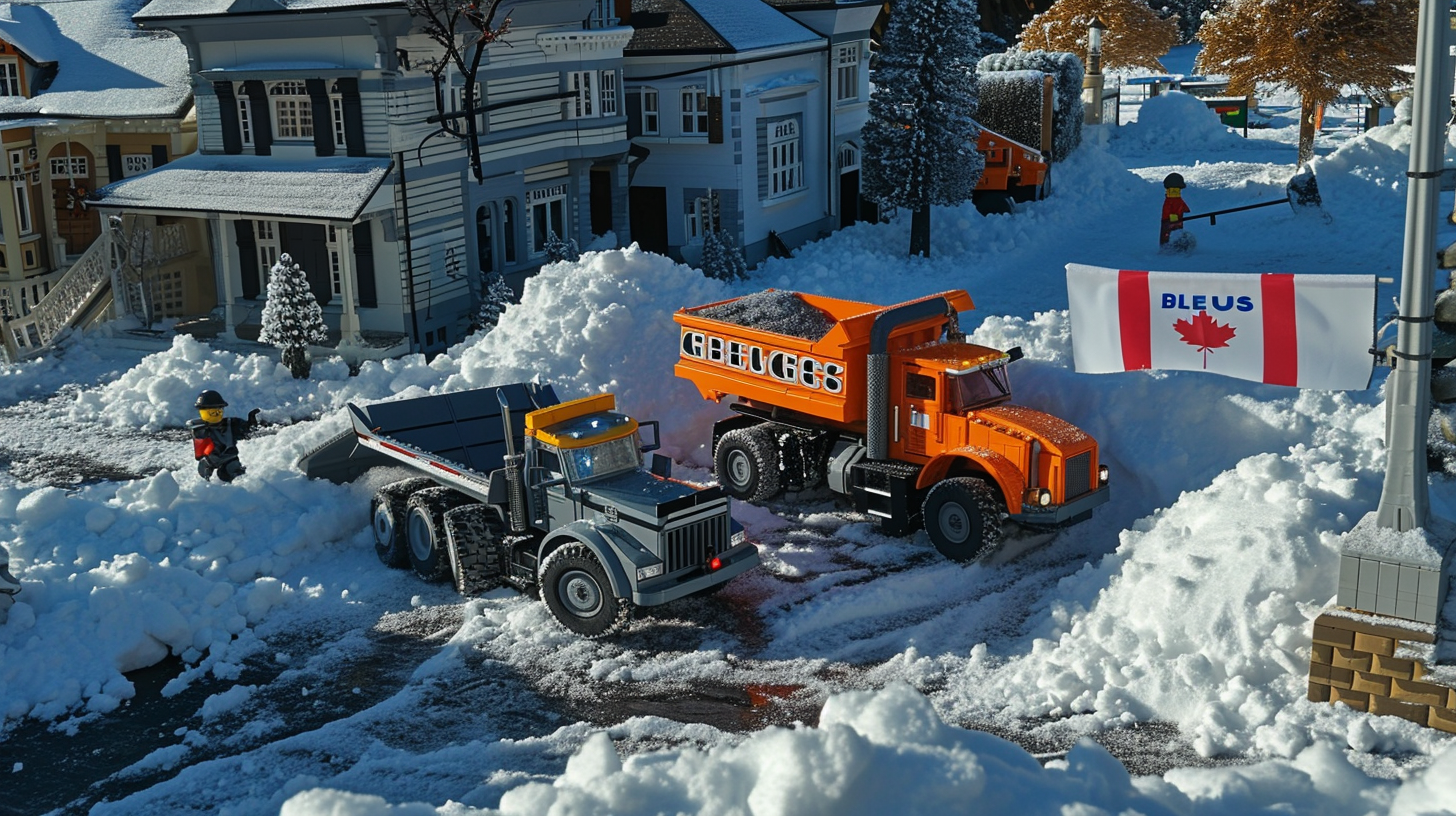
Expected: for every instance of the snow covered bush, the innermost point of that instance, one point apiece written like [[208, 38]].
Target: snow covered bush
[[722, 259], [1066, 71], [292, 319], [558, 250], [498, 295]]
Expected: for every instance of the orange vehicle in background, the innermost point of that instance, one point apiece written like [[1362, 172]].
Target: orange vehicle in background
[[1022, 173], [890, 406]]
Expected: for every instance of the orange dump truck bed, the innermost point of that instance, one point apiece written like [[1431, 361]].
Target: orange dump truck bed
[[732, 348]]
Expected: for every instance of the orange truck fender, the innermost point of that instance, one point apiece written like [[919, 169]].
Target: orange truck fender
[[1002, 471]]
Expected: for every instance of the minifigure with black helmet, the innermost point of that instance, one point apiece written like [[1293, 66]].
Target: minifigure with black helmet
[[1174, 207], [215, 437]]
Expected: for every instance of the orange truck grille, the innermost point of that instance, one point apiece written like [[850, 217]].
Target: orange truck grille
[[1079, 475]]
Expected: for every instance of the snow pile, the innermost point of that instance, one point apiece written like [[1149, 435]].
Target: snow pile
[[866, 738], [1177, 121]]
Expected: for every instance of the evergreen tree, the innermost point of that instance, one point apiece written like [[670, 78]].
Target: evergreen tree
[[498, 295], [558, 250], [1189, 15], [292, 319], [1311, 47], [920, 141], [1135, 36], [721, 257]]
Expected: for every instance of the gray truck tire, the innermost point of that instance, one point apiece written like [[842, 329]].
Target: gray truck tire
[[963, 518], [747, 463], [387, 517], [575, 588], [474, 533], [425, 530]]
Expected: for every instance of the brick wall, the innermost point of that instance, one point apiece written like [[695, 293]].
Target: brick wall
[[1354, 661]]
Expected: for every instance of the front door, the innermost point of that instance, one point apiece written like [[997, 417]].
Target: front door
[[73, 174], [601, 200], [308, 245], [848, 198], [922, 408], [647, 207]]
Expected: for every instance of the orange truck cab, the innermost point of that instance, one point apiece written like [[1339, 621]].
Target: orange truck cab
[[1013, 170], [889, 406]]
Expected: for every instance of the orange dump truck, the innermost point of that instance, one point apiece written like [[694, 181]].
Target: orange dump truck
[[890, 406], [1013, 170]]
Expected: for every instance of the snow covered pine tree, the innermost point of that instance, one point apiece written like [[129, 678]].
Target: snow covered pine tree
[[920, 141], [498, 295], [558, 250], [722, 258], [292, 319]]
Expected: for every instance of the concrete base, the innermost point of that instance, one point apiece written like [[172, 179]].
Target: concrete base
[[1380, 665]]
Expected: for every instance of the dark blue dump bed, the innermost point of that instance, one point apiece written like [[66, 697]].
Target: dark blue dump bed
[[463, 428]]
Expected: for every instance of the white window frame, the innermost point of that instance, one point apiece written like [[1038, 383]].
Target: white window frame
[[846, 73], [79, 167], [583, 101], [607, 93], [694, 102], [539, 205], [700, 217], [848, 157], [785, 147], [603, 14], [292, 110], [336, 107], [651, 113], [245, 117], [265, 238], [9, 78], [336, 261], [23, 215]]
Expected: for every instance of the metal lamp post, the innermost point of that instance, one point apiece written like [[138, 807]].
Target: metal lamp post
[[1092, 86]]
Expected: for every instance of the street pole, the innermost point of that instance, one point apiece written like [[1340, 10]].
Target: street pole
[[1405, 499]]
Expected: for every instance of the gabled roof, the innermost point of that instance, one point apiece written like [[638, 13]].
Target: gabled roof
[[168, 9], [711, 26], [105, 67]]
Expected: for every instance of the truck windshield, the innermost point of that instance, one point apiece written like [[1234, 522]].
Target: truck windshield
[[605, 459], [978, 389]]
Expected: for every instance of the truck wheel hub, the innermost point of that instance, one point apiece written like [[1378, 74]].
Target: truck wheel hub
[[420, 540], [383, 525], [580, 593], [740, 470], [954, 523]]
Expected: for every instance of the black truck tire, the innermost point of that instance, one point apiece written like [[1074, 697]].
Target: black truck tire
[[963, 518], [575, 588], [387, 517], [747, 463], [475, 533], [425, 530]]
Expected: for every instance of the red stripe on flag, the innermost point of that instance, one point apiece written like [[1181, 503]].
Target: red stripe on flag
[[1281, 334], [1133, 307]]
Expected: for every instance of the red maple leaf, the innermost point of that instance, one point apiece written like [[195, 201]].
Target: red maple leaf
[[1205, 333]]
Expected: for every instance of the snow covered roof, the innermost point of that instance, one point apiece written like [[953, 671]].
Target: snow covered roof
[[327, 188], [687, 26], [159, 9], [105, 67]]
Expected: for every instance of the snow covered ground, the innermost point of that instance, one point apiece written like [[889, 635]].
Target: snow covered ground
[[852, 673]]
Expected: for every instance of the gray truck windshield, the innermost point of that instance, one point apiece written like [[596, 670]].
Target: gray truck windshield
[[605, 459]]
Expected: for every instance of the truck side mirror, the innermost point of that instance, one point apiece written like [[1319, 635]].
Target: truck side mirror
[[656, 435], [661, 466], [1015, 354]]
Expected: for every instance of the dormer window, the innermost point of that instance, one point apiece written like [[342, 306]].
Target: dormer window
[[292, 110], [9, 78]]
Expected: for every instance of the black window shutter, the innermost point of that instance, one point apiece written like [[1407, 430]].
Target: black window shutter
[[113, 163], [159, 155], [247, 258], [262, 117], [353, 116], [364, 265], [227, 113], [634, 115], [323, 120], [715, 120]]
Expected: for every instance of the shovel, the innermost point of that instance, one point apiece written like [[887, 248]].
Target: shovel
[[1301, 193]]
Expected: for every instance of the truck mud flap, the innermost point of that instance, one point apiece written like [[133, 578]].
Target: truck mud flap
[[886, 490]]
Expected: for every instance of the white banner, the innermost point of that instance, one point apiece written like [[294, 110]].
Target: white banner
[[1310, 331]]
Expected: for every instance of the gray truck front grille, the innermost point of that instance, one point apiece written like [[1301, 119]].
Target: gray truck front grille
[[691, 545], [1079, 474]]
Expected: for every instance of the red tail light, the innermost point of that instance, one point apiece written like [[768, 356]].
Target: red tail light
[[716, 563]]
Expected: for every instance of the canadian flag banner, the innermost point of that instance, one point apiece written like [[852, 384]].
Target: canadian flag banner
[[1309, 331]]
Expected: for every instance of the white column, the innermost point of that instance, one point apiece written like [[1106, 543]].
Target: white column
[[222, 243], [349, 316]]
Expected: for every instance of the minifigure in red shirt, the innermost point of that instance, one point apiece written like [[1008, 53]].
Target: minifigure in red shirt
[[1174, 207]]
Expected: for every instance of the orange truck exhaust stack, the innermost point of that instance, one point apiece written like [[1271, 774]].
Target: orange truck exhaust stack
[[890, 406]]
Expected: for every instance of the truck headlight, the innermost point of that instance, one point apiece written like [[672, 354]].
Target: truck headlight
[[643, 573], [739, 537], [1102, 474], [1038, 497]]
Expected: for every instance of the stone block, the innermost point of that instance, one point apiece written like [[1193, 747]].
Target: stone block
[[1353, 699], [1393, 667], [1375, 626], [1338, 677], [1369, 580], [1418, 714], [1389, 580], [1330, 636], [1416, 691], [1405, 607], [1374, 644], [1442, 719], [1322, 653], [1352, 659], [1318, 692], [1349, 571], [1410, 580], [1371, 684]]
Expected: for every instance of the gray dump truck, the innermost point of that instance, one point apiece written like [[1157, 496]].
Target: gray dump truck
[[519, 488]]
